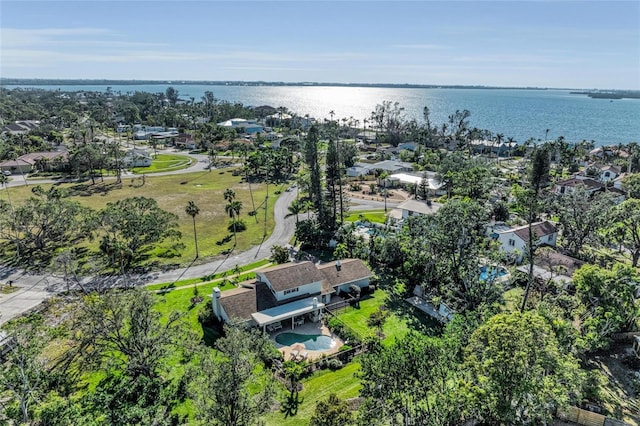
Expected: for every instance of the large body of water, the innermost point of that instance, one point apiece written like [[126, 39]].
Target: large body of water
[[521, 114]]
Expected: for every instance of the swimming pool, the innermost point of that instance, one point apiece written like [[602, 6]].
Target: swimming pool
[[492, 272], [313, 342]]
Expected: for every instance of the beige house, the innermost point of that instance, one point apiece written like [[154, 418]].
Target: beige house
[[44, 161]]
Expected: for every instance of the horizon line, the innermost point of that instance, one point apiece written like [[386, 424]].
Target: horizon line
[[72, 81]]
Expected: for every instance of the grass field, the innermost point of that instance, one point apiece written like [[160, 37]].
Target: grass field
[[173, 192]]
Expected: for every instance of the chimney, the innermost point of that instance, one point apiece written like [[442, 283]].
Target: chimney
[[215, 303]]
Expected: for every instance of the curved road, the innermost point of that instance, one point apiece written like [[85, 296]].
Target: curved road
[[36, 288]]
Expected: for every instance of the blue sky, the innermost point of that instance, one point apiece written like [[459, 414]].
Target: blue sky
[[510, 43]]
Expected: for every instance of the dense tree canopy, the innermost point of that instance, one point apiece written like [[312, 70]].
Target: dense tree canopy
[[517, 371], [44, 222], [133, 225]]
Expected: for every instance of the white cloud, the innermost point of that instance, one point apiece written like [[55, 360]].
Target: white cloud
[[13, 37]]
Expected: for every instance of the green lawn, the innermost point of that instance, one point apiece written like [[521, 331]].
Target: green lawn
[[375, 216], [165, 163], [173, 192], [402, 317], [316, 388]]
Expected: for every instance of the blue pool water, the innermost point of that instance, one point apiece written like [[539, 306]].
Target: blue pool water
[[492, 272], [313, 342]]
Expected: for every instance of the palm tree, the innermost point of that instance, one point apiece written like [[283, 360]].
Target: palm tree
[[295, 209], [232, 208], [307, 206], [229, 194], [193, 210]]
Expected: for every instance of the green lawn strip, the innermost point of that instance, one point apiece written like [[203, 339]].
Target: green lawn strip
[[165, 163], [375, 216], [316, 388], [206, 279], [173, 192]]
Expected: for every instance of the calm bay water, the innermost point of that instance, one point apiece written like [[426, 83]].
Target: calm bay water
[[521, 114]]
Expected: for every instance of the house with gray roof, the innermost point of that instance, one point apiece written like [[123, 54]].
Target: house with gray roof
[[288, 293]]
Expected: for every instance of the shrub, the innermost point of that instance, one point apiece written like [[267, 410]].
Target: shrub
[[206, 316], [334, 324], [240, 225], [334, 364]]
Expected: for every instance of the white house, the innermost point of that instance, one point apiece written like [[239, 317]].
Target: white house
[[417, 207], [137, 158], [609, 173], [289, 293], [569, 185], [434, 186], [246, 126], [514, 241]]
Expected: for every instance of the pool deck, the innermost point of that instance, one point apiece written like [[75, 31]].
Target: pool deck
[[306, 328]]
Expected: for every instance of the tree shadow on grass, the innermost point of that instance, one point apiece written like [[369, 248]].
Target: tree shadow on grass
[[87, 190], [210, 335], [396, 302], [415, 318], [290, 405]]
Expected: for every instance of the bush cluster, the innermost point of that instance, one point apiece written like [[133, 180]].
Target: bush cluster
[[346, 334]]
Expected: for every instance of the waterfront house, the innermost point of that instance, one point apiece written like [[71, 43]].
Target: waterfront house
[[290, 293]]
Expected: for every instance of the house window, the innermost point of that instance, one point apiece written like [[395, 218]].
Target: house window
[[291, 290], [512, 242]]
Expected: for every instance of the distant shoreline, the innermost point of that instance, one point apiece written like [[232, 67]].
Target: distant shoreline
[[89, 82]]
